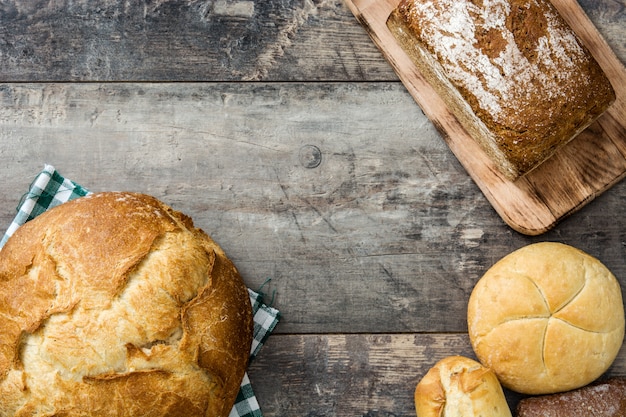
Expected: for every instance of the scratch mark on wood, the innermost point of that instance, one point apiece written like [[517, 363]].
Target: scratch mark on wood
[[234, 8], [471, 238], [267, 58]]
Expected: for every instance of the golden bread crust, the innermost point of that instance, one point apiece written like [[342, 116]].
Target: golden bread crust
[[116, 305], [458, 386], [546, 318]]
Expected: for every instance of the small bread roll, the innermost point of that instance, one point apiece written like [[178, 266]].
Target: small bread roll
[[460, 387], [546, 318]]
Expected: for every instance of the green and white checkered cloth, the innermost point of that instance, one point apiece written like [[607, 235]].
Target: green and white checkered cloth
[[50, 189]]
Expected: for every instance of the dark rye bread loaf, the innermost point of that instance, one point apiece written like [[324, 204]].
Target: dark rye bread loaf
[[512, 71], [601, 399]]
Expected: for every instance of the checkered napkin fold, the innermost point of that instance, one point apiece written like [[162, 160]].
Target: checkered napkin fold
[[51, 189]]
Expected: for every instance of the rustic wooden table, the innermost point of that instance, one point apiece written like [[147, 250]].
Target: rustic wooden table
[[261, 120]]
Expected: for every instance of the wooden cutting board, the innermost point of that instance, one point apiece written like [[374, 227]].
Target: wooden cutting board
[[587, 166]]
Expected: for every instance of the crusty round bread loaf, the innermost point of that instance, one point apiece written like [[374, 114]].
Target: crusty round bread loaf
[[460, 387], [546, 318], [116, 305]]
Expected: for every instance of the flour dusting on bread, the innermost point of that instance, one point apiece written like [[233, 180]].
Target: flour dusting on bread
[[513, 72]]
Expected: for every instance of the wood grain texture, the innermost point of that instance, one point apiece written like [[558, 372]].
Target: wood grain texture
[[575, 175], [388, 233], [609, 17], [222, 40], [357, 375]]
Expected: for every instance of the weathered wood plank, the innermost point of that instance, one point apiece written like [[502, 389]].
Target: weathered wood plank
[[355, 375], [95, 40], [196, 40], [388, 233], [609, 17]]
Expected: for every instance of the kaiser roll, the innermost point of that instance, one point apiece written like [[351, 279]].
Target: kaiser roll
[[116, 305], [460, 387], [546, 318]]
